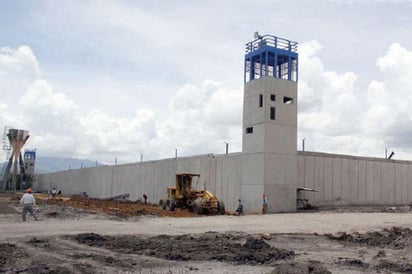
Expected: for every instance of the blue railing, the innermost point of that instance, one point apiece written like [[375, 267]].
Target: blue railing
[[271, 41]]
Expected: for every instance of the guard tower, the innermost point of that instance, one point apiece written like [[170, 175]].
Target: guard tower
[[270, 116], [29, 161]]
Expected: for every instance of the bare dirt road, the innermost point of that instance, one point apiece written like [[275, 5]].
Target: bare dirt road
[[72, 240]]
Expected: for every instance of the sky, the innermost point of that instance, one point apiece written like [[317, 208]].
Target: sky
[[120, 80]]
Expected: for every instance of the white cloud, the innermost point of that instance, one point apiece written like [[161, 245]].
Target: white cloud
[[327, 102], [339, 117], [199, 118], [389, 113], [20, 61], [18, 69]]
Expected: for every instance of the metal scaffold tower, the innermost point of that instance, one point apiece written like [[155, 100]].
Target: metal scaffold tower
[[16, 139], [6, 148]]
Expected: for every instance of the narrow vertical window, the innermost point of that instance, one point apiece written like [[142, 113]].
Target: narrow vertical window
[[260, 100], [272, 113]]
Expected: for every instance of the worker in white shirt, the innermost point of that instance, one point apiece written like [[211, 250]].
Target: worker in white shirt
[[53, 193], [28, 201]]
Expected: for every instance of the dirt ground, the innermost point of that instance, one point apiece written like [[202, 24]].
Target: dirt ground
[[93, 236]]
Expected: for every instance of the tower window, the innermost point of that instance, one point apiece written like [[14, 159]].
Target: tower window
[[273, 97], [288, 100], [260, 100], [249, 130], [272, 113]]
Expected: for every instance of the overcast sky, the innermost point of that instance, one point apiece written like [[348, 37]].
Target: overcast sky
[[116, 79]]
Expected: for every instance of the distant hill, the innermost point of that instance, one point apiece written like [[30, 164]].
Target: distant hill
[[53, 164]]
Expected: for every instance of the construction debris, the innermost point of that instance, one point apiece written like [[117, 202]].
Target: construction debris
[[121, 197]]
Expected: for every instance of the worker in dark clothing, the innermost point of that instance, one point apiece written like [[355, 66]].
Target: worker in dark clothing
[[239, 209], [264, 204], [145, 198]]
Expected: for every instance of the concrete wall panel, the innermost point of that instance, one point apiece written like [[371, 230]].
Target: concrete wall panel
[[370, 183], [310, 172], [301, 170], [251, 198], [351, 192], [337, 181], [280, 169], [328, 188], [319, 181], [286, 197], [377, 175], [362, 182], [409, 186], [401, 189], [387, 183], [346, 181]]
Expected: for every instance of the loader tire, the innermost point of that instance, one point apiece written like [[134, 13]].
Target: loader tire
[[222, 209], [197, 209], [170, 205]]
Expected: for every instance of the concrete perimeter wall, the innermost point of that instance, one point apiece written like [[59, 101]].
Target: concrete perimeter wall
[[223, 175], [350, 180], [339, 179]]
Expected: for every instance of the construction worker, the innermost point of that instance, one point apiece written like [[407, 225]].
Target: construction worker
[[264, 204], [28, 201], [53, 193], [239, 209], [145, 198]]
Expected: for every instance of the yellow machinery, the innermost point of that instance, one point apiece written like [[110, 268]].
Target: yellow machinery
[[184, 195]]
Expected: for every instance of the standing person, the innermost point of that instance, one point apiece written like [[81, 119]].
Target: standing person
[[53, 193], [145, 198], [239, 209], [264, 204], [28, 201]]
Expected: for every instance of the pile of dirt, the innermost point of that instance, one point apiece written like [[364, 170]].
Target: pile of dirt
[[14, 259], [76, 205], [396, 267], [311, 267], [352, 262], [226, 247], [395, 237], [124, 209], [9, 253], [62, 211], [7, 209]]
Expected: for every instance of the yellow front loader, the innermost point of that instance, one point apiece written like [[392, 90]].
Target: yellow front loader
[[184, 195]]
